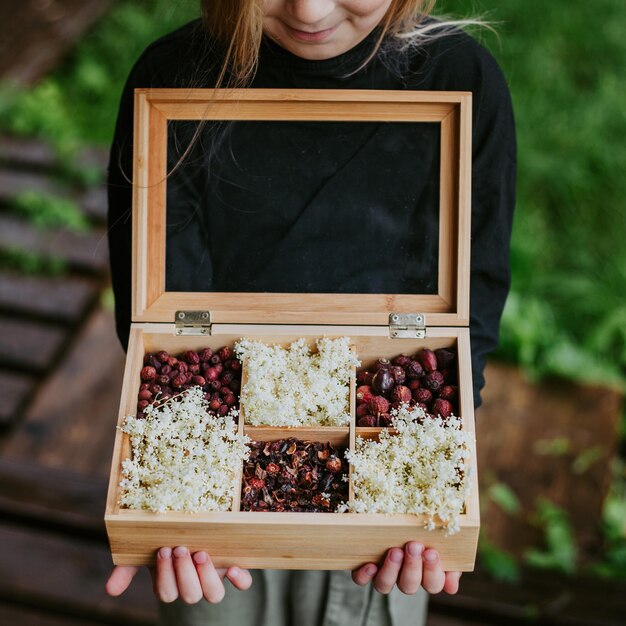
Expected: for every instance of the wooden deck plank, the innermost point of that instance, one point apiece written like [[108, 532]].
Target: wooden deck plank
[[15, 389], [87, 251], [58, 298], [19, 615], [67, 574], [29, 345], [71, 423], [53, 497], [34, 36]]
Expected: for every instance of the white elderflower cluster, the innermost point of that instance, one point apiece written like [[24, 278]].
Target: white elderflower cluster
[[183, 458], [423, 469], [292, 387]]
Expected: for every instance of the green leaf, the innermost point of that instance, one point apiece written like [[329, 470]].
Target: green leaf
[[560, 551], [498, 563], [504, 497]]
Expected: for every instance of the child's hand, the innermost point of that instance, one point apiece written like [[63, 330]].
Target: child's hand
[[409, 569], [177, 574]]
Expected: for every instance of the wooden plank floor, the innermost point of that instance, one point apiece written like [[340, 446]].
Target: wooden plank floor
[[59, 412]]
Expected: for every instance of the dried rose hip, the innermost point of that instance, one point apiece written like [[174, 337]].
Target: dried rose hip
[[378, 404], [414, 370], [434, 380], [422, 395], [363, 394], [401, 360], [400, 394], [447, 392], [382, 381], [427, 359], [191, 357], [367, 421], [441, 407], [445, 358], [148, 373]]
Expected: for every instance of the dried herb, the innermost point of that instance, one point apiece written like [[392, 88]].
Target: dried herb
[[293, 475]]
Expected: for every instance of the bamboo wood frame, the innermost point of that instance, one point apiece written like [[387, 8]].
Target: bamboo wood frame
[[288, 540], [155, 107]]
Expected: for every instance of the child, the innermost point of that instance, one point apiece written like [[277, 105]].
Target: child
[[336, 44]]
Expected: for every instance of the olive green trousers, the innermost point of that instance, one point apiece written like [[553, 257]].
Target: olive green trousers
[[301, 598]]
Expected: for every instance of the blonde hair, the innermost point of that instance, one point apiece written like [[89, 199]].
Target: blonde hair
[[238, 24]]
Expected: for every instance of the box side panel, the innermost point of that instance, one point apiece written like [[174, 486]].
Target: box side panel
[[287, 546]]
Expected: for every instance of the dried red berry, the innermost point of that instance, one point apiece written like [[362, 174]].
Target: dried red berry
[[211, 374], [447, 392], [166, 370], [205, 354], [163, 380], [172, 361], [230, 400], [382, 364], [144, 386], [215, 404], [162, 356], [367, 421], [441, 407], [362, 409], [363, 394], [191, 357], [142, 405], [182, 367], [384, 420], [194, 369], [401, 393], [215, 359], [225, 353], [145, 394], [428, 359], [226, 378], [363, 377], [198, 380], [402, 360], [422, 395], [378, 405], [234, 365], [223, 410], [434, 380], [148, 373], [414, 370], [414, 384], [216, 385], [445, 358], [178, 381], [399, 375], [382, 381]]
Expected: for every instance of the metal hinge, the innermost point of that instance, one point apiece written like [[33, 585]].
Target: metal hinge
[[407, 325], [193, 322]]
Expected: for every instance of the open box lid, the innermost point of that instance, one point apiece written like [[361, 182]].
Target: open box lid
[[159, 111]]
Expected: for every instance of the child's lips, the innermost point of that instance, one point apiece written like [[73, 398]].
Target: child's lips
[[304, 35]]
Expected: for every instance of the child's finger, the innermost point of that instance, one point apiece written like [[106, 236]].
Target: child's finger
[[165, 581], [189, 588], [433, 577], [452, 582], [411, 574], [120, 578], [210, 580], [240, 578], [364, 575], [388, 574]]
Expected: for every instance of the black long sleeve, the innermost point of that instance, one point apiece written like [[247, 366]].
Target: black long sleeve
[[308, 212]]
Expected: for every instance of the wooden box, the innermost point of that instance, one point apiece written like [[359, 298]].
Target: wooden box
[[295, 540]]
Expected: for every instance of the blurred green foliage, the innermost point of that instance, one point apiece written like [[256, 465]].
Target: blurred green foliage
[[560, 550], [25, 262], [46, 211]]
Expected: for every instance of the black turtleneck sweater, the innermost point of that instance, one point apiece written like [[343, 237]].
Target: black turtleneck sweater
[[322, 206]]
